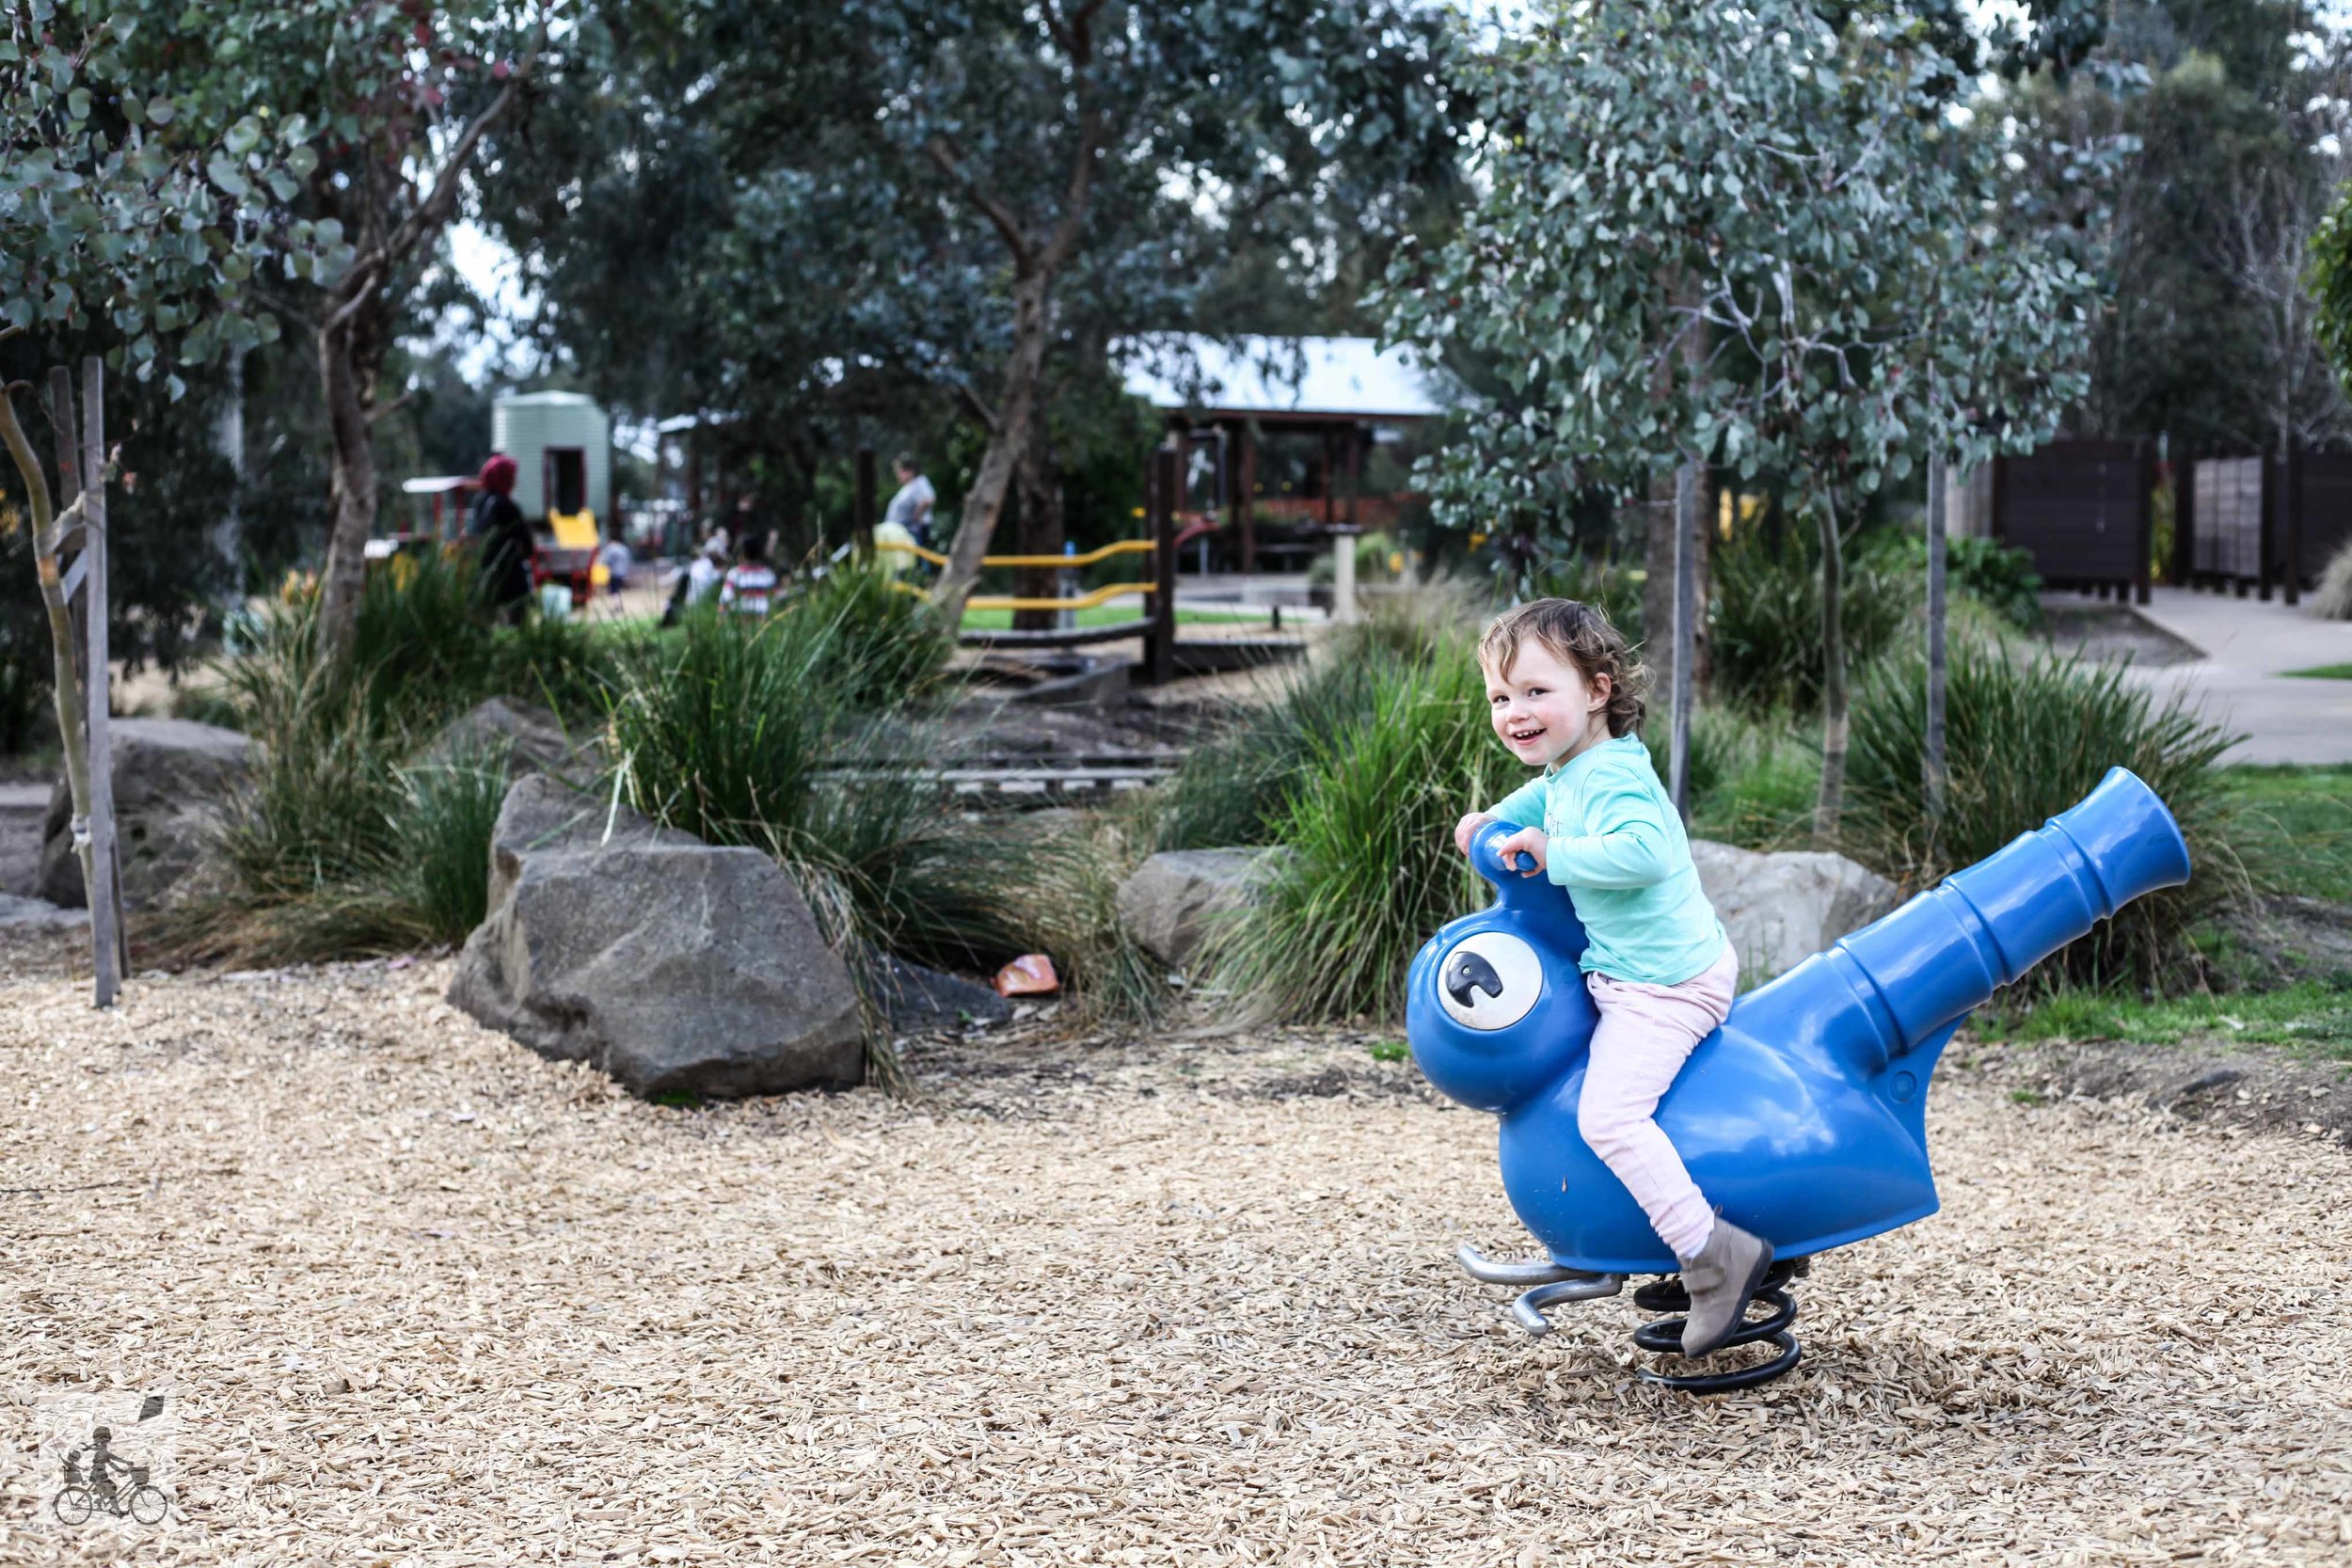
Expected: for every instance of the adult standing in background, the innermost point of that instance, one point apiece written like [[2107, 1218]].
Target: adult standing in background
[[501, 535], [911, 508]]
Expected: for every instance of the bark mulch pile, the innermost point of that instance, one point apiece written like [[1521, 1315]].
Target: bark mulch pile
[[423, 1298]]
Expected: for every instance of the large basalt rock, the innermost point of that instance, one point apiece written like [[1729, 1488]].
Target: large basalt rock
[[24, 824], [531, 738], [34, 914], [1780, 909], [543, 815], [677, 967], [171, 779], [1177, 897], [919, 1001]]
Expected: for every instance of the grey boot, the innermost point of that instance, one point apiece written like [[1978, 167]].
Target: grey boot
[[1719, 1280]]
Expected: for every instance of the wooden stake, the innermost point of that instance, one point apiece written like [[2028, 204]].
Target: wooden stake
[[1937, 777], [108, 942]]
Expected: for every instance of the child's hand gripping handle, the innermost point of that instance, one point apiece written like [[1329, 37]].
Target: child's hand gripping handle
[[1490, 865]]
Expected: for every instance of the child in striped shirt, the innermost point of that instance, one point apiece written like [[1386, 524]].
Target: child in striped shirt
[[750, 582]]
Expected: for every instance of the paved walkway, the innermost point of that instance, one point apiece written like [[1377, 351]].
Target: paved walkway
[[2241, 681]]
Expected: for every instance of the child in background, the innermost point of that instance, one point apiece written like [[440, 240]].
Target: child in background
[[1564, 693], [750, 582]]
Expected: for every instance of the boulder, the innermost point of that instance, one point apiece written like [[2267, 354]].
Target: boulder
[[532, 737], [677, 967], [34, 914], [24, 824], [172, 777], [919, 1001], [543, 816], [1781, 908], [1175, 900]]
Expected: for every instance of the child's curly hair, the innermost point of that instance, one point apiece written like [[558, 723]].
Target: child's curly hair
[[1580, 634]]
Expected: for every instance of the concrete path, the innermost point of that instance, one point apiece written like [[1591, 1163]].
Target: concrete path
[[2240, 682]]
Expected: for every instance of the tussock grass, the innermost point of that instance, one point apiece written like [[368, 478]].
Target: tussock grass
[[1372, 869], [2027, 738], [779, 735]]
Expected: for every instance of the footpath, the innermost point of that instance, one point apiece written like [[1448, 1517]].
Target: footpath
[[2241, 679]]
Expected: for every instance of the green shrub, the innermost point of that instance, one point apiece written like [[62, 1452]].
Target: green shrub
[[756, 734], [322, 784], [1765, 624], [1066, 899], [1235, 787], [2000, 578], [886, 646], [722, 729], [1752, 776], [2026, 739], [443, 833], [1372, 869]]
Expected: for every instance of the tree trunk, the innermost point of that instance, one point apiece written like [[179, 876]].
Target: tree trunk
[[1038, 478], [1658, 589], [1832, 798], [1689, 480], [350, 356], [985, 501], [1937, 778], [65, 690]]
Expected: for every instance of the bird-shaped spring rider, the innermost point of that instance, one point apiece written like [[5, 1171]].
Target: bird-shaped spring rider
[[1803, 1116]]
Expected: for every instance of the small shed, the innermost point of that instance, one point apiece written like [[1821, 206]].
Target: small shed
[[1222, 396], [561, 444]]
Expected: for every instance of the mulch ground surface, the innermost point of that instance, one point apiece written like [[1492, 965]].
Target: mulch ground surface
[[419, 1297]]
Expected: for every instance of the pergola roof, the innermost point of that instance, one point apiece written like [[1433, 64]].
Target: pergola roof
[[1335, 377]]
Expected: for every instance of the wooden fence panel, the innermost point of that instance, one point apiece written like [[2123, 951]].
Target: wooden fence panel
[[2327, 521], [2081, 508]]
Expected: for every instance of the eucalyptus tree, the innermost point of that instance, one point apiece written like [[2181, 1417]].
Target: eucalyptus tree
[[886, 194], [1740, 237], [123, 224]]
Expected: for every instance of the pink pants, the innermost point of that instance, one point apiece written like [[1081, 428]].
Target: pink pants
[[1644, 1035]]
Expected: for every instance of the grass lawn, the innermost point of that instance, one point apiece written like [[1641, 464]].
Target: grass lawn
[[2314, 1017], [2295, 828], [2325, 672]]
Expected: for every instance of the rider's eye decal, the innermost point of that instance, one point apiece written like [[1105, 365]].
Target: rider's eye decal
[[1490, 980]]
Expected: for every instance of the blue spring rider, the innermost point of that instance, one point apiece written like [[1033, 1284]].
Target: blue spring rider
[[1803, 1116]]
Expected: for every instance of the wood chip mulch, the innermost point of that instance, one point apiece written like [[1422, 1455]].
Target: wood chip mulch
[[425, 1299]]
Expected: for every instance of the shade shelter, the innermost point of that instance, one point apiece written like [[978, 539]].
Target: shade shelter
[[1224, 399]]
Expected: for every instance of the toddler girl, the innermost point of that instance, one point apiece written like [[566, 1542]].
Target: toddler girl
[[1565, 695]]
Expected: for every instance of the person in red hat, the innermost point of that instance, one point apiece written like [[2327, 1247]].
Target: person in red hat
[[503, 535]]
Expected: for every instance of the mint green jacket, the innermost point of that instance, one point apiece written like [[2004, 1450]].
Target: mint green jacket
[[1617, 846]]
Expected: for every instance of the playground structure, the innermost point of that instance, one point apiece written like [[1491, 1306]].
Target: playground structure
[[1803, 1117], [1157, 628], [1230, 400], [561, 444]]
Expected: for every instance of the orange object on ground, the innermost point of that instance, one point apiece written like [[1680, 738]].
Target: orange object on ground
[[1030, 974]]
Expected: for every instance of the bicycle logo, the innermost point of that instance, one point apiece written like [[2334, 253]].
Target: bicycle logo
[[97, 1491]]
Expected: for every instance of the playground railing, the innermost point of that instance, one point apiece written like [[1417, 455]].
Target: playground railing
[[1157, 628]]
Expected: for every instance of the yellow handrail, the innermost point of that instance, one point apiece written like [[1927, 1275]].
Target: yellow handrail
[[1008, 601], [1122, 546]]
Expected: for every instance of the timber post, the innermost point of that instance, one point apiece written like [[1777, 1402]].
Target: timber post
[[1159, 644], [2291, 566], [862, 505]]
